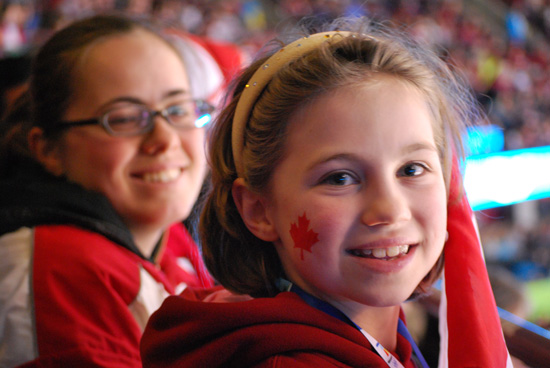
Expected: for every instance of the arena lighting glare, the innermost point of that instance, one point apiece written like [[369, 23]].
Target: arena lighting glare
[[508, 177], [484, 139], [203, 120]]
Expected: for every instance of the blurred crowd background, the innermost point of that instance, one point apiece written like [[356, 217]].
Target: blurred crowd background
[[502, 46]]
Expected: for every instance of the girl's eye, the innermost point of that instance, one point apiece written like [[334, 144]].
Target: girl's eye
[[413, 169], [177, 110], [339, 178]]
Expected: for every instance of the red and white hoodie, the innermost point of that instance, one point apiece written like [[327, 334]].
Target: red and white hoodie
[[74, 289]]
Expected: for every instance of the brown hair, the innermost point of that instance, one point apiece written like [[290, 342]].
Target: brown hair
[[14, 127], [236, 258]]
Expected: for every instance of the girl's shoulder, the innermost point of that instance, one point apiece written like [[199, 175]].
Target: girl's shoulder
[[243, 331]]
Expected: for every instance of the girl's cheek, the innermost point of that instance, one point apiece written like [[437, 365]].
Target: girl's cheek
[[304, 238]]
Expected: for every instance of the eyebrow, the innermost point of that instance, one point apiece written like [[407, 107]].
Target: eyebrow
[[415, 147], [421, 146], [339, 156], [176, 92]]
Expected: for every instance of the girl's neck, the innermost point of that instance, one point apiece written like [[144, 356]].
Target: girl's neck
[[146, 239], [379, 322]]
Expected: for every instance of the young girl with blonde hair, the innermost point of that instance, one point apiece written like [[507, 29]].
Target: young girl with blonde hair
[[335, 197]]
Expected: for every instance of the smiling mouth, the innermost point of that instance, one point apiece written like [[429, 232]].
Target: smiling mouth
[[163, 176], [381, 253]]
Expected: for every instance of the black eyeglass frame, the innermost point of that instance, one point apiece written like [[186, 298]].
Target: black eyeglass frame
[[204, 106]]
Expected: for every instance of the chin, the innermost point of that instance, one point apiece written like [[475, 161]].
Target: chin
[[161, 218], [386, 298]]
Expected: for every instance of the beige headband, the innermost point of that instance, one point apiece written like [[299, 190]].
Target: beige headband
[[259, 81]]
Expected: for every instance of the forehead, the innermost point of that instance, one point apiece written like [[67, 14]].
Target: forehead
[[382, 113], [137, 40], [379, 94], [129, 63]]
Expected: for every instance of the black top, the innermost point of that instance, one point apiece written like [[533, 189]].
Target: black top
[[32, 197]]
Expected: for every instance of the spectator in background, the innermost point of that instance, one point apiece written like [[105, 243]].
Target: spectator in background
[[517, 26], [17, 25], [91, 240]]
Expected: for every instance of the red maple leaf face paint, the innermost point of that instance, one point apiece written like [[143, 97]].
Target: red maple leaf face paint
[[303, 237]]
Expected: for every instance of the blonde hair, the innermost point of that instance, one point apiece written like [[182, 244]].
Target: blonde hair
[[235, 257]]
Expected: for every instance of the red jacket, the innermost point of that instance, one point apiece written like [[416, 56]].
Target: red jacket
[[283, 331], [76, 299], [74, 289]]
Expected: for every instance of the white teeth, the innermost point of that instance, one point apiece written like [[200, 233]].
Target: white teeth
[[382, 252], [365, 252], [164, 176], [392, 251], [379, 252]]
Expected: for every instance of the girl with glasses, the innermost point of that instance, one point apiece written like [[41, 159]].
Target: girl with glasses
[[91, 234]]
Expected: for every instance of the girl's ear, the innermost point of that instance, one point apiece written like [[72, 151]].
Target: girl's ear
[[43, 151], [253, 211]]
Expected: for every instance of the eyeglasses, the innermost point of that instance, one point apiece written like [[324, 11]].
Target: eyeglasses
[[135, 119]]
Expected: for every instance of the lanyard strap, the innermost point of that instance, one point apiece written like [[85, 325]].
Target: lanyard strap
[[402, 329], [384, 354], [334, 312]]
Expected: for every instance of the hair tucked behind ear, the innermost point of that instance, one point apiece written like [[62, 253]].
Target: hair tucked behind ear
[[234, 256], [239, 260]]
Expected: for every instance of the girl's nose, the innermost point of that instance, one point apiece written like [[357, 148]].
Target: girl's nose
[[161, 138], [386, 204]]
